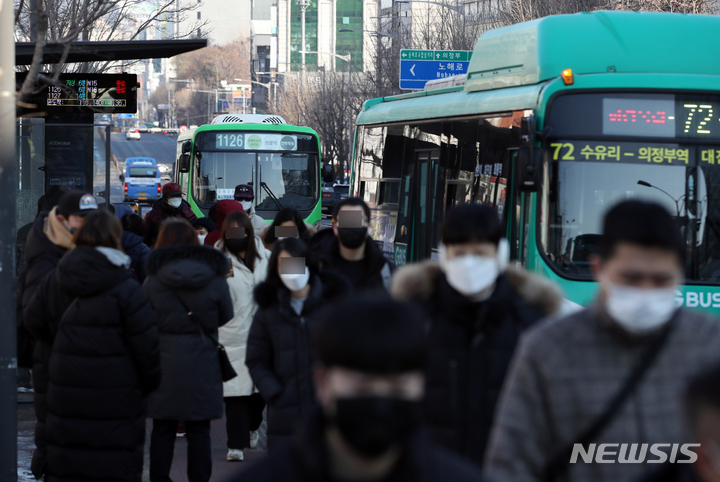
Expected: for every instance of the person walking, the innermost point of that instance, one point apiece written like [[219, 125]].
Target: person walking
[[611, 373], [478, 308], [279, 352], [222, 209], [105, 358], [286, 218], [189, 293], [369, 375], [170, 205], [133, 245], [249, 259], [245, 195], [347, 249], [48, 241]]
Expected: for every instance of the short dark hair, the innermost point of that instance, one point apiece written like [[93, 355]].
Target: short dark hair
[[371, 333], [703, 392], [644, 223], [468, 223], [297, 248], [133, 223], [350, 201]]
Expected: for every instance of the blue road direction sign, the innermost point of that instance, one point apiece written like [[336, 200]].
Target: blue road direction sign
[[420, 66]]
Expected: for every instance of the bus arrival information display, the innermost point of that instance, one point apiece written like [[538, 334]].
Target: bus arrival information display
[[73, 93]]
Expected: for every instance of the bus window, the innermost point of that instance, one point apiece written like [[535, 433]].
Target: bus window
[[368, 190], [389, 192]]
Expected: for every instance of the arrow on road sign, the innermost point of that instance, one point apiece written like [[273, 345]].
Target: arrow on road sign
[[412, 70]]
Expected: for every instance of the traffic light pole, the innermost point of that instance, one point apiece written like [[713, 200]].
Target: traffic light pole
[[8, 205]]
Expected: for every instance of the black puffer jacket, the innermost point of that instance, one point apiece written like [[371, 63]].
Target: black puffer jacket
[[326, 247], [305, 460], [105, 360], [471, 346], [160, 212], [42, 257], [279, 353], [138, 251], [191, 387]]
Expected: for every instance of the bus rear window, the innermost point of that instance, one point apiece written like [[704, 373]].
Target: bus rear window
[[142, 172]]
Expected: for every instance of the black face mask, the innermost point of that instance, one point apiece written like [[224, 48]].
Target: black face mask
[[352, 238], [237, 245], [373, 425]]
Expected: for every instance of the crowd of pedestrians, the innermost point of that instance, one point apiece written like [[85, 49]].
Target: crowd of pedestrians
[[464, 368]]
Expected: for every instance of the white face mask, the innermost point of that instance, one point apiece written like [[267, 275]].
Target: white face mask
[[202, 237], [175, 202], [638, 310], [246, 205], [296, 282], [471, 274]]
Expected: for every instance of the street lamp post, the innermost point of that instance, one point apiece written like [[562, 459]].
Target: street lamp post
[[303, 4]]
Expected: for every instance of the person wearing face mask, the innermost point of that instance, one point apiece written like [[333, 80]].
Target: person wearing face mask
[[478, 307], [611, 373], [48, 241], [347, 249], [279, 352], [203, 227], [286, 218], [243, 407], [371, 354], [245, 195], [170, 205], [217, 214]]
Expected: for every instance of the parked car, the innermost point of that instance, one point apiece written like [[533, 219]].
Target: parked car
[[132, 134], [333, 195]]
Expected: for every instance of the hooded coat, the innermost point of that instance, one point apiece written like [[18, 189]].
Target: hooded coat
[[471, 346], [191, 386], [327, 247], [160, 212], [224, 207], [138, 251], [279, 353], [104, 362], [42, 256]]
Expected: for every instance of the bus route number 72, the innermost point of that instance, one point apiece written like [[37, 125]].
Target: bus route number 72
[[567, 156]]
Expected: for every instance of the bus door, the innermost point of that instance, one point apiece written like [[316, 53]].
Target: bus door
[[418, 207]]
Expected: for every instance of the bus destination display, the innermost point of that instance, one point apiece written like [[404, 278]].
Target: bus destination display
[[108, 93]]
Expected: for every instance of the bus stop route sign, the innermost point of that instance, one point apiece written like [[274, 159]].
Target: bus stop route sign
[[420, 66]]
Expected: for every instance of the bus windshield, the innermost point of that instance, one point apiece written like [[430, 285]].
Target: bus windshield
[[588, 176], [280, 179]]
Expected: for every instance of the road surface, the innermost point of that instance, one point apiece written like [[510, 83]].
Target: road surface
[[157, 146]]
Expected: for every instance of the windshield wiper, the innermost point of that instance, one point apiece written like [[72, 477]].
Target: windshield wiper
[[272, 196]]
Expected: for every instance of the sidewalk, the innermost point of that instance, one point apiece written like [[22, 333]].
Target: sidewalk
[[222, 469]]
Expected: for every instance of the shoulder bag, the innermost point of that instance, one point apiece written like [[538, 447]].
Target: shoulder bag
[[226, 368]]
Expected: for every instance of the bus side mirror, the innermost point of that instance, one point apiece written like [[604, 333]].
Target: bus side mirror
[[186, 147], [529, 168], [184, 162]]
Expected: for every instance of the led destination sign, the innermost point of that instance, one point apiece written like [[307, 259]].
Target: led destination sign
[[108, 93]]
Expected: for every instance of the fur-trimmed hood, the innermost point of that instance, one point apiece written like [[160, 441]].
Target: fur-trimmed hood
[[331, 287], [189, 267], [419, 282]]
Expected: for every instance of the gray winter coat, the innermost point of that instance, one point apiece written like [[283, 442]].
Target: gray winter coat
[[191, 387], [565, 373]]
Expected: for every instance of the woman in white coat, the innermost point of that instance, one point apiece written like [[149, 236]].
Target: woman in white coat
[[249, 259]]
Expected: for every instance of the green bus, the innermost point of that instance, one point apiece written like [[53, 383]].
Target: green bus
[[556, 120], [280, 161]]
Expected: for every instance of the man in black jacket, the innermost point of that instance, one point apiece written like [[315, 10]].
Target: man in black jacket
[[369, 381], [48, 240], [478, 308], [348, 250]]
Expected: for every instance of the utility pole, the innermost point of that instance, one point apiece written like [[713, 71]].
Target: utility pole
[[303, 4], [8, 205], [378, 39]]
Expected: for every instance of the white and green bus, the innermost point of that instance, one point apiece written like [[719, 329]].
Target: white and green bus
[[556, 120], [280, 161]]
